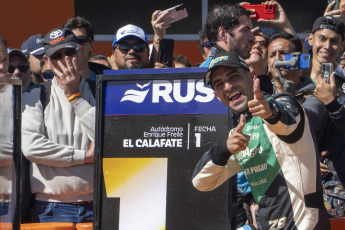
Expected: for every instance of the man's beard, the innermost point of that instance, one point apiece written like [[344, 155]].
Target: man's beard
[[135, 66]]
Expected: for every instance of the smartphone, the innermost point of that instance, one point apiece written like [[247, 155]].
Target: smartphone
[[175, 13], [165, 52], [261, 11], [303, 61], [336, 6], [326, 71]]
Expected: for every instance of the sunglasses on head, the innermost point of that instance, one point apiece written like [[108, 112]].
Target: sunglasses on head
[[48, 74], [124, 47], [261, 43], [21, 67], [82, 40], [68, 52]]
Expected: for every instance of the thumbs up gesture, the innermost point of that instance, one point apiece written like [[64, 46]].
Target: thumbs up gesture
[[259, 107], [238, 141]]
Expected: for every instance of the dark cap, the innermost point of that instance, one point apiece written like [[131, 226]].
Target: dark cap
[[329, 22], [33, 45], [19, 53], [58, 39], [229, 59]]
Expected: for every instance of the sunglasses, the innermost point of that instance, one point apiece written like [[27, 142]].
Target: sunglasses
[[261, 43], [82, 40], [48, 74], [126, 47], [21, 67], [68, 52], [206, 45]]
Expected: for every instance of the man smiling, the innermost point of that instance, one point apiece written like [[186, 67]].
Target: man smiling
[[266, 145], [328, 43]]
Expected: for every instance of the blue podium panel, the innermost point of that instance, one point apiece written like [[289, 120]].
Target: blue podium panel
[[153, 127]]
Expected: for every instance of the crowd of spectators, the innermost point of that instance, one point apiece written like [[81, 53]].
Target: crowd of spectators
[[58, 73]]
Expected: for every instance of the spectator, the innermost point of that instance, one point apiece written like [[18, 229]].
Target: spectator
[[327, 40], [180, 61], [83, 30], [204, 45], [4, 59], [100, 59], [302, 87], [58, 135], [284, 178], [19, 66], [47, 74], [34, 50], [228, 28], [130, 48], [257, 61]]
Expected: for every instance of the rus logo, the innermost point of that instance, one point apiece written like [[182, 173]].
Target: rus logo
[[170, 91]]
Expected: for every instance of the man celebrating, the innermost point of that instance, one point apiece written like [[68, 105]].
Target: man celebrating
[[267, 146], [58, 135]]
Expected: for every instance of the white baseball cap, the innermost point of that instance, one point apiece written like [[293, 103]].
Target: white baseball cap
[[129, 30]]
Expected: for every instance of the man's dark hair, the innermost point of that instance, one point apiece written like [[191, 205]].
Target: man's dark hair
[[80, 22], [181, 59], [294, 40], [223, 15], [201, 41], [98, 57], [3, 40]]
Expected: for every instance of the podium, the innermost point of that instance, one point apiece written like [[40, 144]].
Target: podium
[[152, 128]]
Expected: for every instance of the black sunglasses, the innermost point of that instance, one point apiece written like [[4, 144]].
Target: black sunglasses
[[82, 40], [124, 47], [48, 74], [68, 52], [21, 67]]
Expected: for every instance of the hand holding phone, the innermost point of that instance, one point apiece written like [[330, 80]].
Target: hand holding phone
[[174, 13], [165, 52], [326, 71], [336, 6], [261, 11]]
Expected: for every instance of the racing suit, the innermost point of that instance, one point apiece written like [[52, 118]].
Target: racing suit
[[281, 165]]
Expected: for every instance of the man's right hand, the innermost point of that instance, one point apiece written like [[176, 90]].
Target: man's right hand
[[237, 140], [325, 92], [90, 154]]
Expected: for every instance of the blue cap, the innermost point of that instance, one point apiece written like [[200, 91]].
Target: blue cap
[[34, 45]]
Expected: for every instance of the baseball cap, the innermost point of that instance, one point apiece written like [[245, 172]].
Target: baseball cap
[[33, 45], [58, 39], [19, 53], [329, 22], [129, 30], [229, 59]]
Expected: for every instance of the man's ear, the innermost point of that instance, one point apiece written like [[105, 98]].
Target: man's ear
[[310, 39], [222, 33], [46, 60]]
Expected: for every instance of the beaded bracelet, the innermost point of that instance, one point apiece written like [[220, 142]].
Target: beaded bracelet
[[70, 98]]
